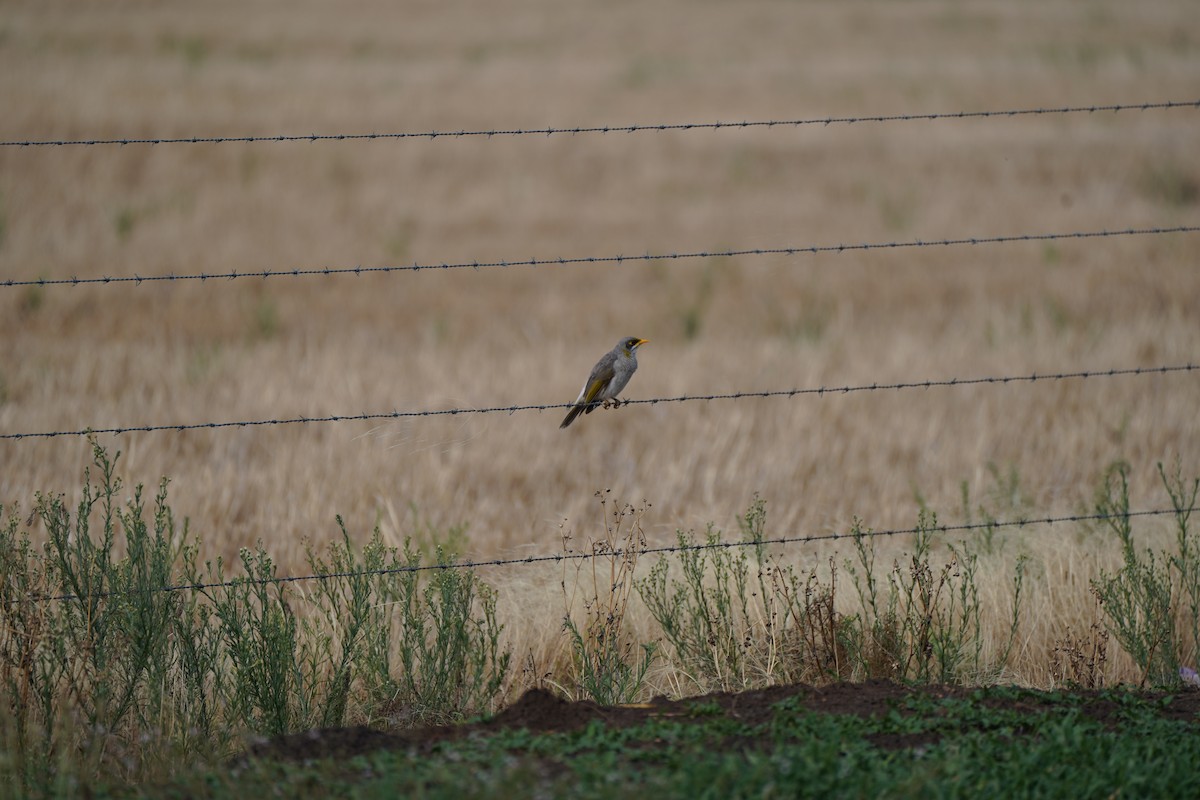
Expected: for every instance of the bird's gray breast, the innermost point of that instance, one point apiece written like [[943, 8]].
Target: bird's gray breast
[[623, 369]]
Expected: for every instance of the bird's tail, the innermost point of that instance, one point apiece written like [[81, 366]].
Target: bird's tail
[[572, 414]]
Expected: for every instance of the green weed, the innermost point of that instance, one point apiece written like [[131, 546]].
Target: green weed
[[124, 222], [605, 664], [32, 299], [1004, 500], [923, 622], [737, 617], [265, 319], [1152, 595]]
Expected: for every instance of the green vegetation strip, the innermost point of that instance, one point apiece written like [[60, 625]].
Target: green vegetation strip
[[119, 689], [993, 743]]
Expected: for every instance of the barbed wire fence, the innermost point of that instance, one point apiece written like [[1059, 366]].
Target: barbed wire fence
[[606, 129], [599, 551], [814, 249], [820, 391], [137, 280]]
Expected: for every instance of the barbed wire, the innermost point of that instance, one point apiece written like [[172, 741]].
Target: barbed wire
[[603, 129], [617, 259], [603, 551], [820, 391]]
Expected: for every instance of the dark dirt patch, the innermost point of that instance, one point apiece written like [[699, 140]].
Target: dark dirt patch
[[541, 712], [330, 743]]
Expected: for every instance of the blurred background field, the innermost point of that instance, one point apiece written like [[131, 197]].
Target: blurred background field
[[188, 352]]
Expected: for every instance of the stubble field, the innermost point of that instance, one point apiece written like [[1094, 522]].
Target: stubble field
[[186, 352]]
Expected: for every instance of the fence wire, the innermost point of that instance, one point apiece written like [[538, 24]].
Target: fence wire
[[819, 391], [604, 129], [617, 259], [600, 550]]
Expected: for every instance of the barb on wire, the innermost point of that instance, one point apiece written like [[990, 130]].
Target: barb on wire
[[602, 129], [820, 391], [617, 259], [617, 553]]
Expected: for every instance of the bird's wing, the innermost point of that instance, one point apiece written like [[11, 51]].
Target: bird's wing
[[602, 373]]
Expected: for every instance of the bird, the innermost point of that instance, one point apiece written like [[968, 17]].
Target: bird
[[610, 375]]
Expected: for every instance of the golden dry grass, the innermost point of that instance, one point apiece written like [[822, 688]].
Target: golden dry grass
[[251, 349]]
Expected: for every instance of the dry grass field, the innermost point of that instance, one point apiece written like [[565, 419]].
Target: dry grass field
[[188, 352]]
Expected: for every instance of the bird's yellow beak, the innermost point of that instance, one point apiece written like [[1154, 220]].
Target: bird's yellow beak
[[641, 342]]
